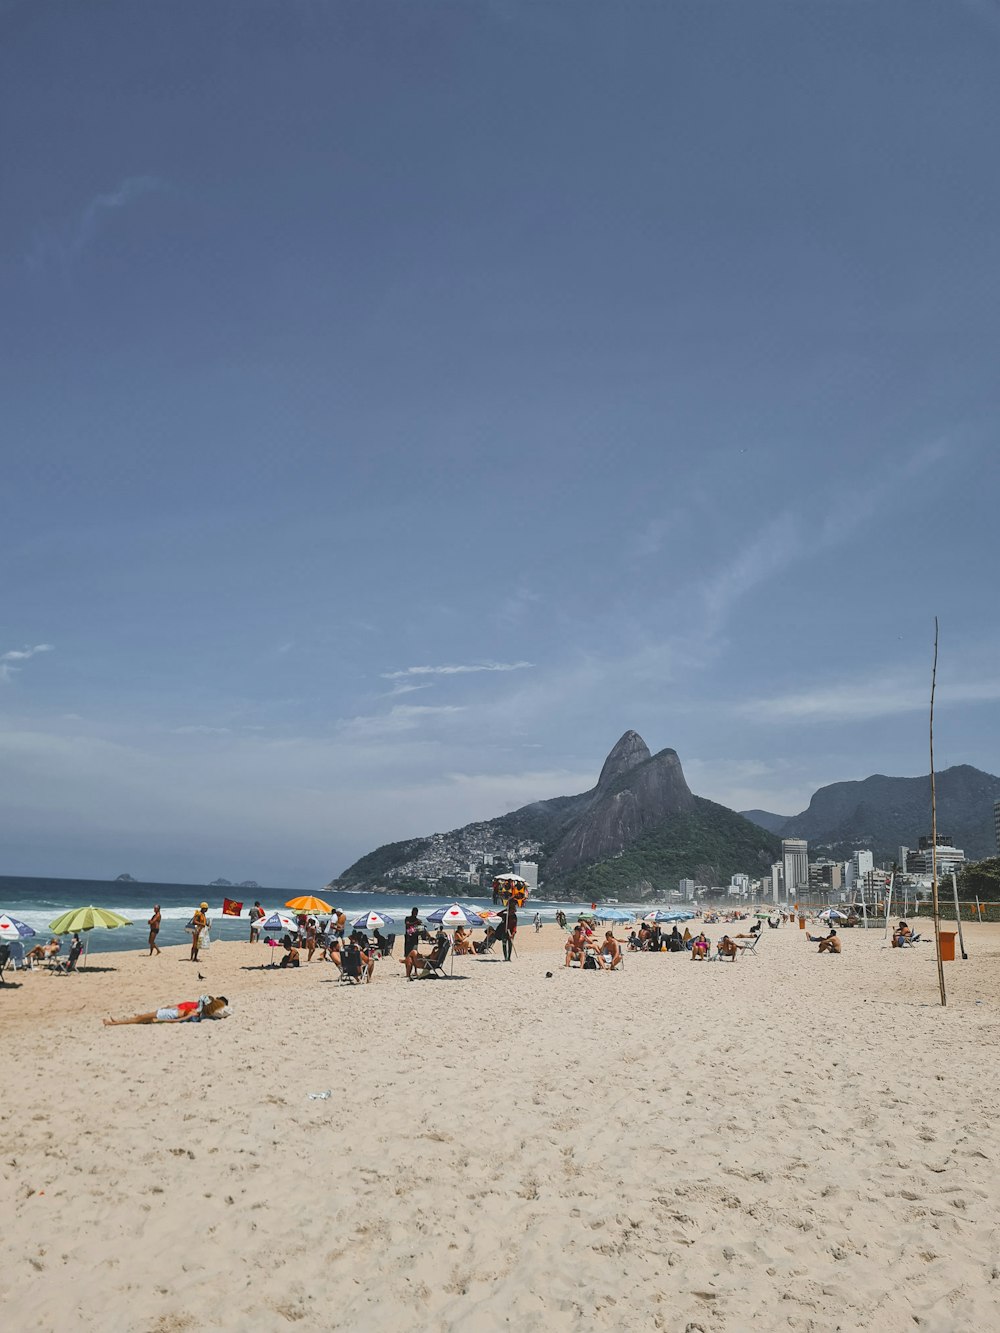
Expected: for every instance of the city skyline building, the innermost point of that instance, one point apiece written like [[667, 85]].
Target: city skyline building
[[795, 865]]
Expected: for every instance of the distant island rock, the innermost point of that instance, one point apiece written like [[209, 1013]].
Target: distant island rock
[[126, 879], [221, 884], [248, 884]]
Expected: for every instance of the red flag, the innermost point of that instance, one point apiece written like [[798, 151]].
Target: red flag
[[230, 907]]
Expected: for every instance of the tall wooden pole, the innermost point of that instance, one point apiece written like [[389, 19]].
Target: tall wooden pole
[[934, 878]]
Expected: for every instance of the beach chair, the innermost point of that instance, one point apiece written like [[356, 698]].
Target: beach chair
[[351, 966], [749, 945], [433, 966], [4, 959]]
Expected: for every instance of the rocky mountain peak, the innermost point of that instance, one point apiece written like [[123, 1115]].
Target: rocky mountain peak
[[626, 754]]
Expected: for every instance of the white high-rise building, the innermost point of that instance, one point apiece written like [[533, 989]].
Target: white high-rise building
[[528, 870], [795, 864], [687, 890], [739, 884], [777, 882]]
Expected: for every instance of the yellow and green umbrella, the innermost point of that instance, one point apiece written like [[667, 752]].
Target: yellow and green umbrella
[[86, 918]]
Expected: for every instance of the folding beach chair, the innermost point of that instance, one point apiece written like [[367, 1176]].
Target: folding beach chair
[[4, 958], [434, 965], [749, 945], [351, 966]]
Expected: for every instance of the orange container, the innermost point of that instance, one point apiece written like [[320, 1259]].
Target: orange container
[[802, 925], [948, 945]]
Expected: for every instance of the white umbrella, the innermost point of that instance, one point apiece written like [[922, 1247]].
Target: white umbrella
[[454, 916], [12, 929], [373, 921], [279, 921]]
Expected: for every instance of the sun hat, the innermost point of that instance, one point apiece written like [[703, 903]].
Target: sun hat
[[204, 907]]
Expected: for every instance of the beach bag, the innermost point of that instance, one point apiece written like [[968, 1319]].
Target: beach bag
[[590, 963]]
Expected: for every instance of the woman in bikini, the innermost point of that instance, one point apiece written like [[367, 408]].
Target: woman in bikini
[[182, 1012]]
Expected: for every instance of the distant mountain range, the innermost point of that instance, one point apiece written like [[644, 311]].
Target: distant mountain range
[[637, 832], [884, 814]]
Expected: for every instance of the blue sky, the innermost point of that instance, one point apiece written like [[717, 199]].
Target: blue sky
[[398, 402]]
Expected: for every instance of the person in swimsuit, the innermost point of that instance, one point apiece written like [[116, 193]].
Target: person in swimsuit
[[185, 1011], [291, 958], [257, 915], [199, 924], [154, 930]]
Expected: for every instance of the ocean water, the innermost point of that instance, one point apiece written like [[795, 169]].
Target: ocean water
[[39, 901]]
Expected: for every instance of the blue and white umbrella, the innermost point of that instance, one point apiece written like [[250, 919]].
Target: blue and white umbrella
[[454, 916], [657, 918], [373, 921], [615, 914], [280, 922], [12, 929]]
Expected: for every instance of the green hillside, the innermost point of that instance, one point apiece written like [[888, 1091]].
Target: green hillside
[[708, 845]]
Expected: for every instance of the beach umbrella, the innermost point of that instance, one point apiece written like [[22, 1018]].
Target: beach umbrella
[[86, 918], [310, 905], [373, 921], [616, 914], [279, 921], [12, 929], [454, 916]]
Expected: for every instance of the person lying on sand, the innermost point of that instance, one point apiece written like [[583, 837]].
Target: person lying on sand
[[184, 1011], [831, 944]]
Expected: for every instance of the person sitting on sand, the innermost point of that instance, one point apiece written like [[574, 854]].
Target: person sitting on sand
[[728, 948], [901, 936], [576, 946], [463, 941], [686, 938], [291, 955], [611, 951], [185, 1011], [414, 961], [43, 953], [700, 946], [831, 944]]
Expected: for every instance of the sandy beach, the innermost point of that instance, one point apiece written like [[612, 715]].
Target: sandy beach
[[787, 1142]]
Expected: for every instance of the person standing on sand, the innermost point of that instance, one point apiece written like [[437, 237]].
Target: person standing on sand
[[411, 932], [154, 930], [257, 915], [510, 922], [199, 927], [537, 922]]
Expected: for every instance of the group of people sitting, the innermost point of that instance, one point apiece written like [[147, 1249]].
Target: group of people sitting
[[583, 947], [650, 939], [48, 954]]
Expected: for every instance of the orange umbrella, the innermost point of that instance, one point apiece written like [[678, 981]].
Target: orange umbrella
[[309, 904]]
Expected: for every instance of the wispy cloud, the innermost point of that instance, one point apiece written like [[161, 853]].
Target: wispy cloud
[[197, 729], [406, 687], [8, 670], [22, 654], [862, 700], [66, 242], [464, 670], [400, 718]]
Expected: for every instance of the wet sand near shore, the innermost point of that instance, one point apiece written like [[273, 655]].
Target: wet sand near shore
[[790, 1141]]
